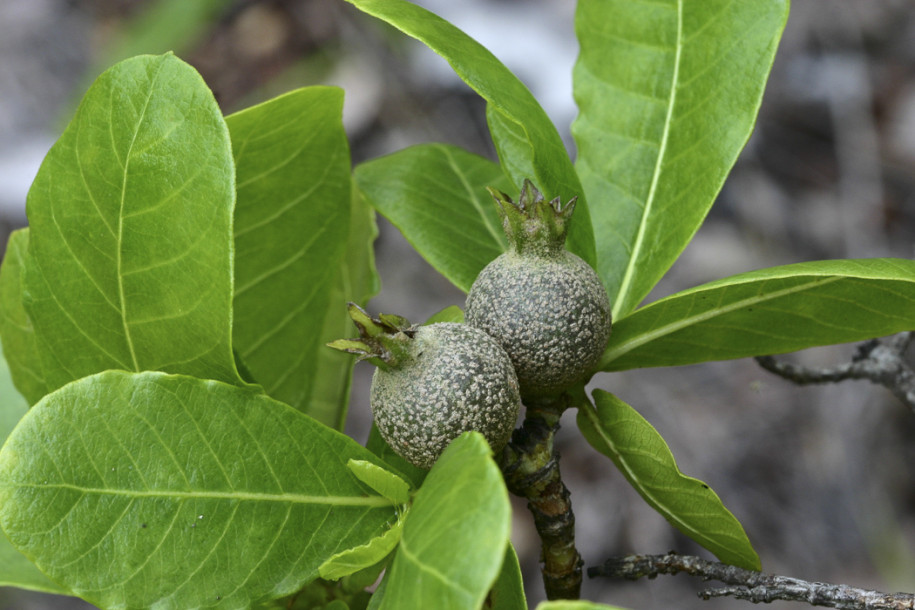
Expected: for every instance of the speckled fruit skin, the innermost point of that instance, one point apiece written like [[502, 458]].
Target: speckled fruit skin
[[458, 379], [551, 314]]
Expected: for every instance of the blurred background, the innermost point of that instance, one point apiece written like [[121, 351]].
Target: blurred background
[[821, 477]]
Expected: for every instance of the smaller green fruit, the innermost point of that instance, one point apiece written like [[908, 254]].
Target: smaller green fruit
[[433, 383]]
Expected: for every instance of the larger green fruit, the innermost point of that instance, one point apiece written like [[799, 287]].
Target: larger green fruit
[[543, 304], [434, 383]]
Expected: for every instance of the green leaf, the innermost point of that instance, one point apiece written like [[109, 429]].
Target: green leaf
[[527, 141], [150, 490], [130, 246], [776, 310], [291, 226], [575, 605], [355, 281], [20, 346], [15, 569], [436, 195], [352, 560], [508, 591], [668, 93], [616, 430], [455, 535], [384, 482]]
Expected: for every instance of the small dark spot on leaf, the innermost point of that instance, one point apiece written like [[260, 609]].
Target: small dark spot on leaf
[[143, 525]]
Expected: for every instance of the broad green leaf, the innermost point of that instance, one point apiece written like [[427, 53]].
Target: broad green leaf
[[771, 311], [352, 560], [668, 93], [527, 141], [377, 445], [291, 226], [384, 482], [149, 490], [130, 245], [575, 605], [15, 569], [20, 346], [436, 195], [508, 591], [616, 430], [356, 281], [455, 535]]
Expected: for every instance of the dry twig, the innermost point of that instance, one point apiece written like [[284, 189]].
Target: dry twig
[[879, 362], [752, 586]]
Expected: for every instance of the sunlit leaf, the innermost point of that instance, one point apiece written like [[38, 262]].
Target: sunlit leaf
[[356, 281], [619, 432], [771, 311], [456, 533], [130, 242], [527, 141], [173, 492], [436, 195], [20, 346], [15, 569], [291, 226], [668, 93]]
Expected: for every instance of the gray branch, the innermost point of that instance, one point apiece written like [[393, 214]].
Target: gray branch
[[881, 362], [751, 586]]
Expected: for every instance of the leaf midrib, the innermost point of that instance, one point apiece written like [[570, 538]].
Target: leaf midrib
[[591, 414], [284, 498], [120, 233], [668, 329], [629, 274]]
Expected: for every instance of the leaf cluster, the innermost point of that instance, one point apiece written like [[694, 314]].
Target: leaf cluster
[[164, 317]]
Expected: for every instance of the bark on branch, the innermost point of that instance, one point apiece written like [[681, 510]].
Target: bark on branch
[[530, 465], [752, 586], [881, 362]]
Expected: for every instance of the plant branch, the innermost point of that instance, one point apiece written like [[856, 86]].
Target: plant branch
[[530, 464], [881, 362], [752, 586]]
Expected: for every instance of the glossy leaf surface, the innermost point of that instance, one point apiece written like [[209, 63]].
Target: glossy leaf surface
[[291, 225], [616, 430], [436, 195], [771, 311], [20, 345], [130, 242], [456, 533], [527, 141], [668, 93], [15, 569], [150, 490]]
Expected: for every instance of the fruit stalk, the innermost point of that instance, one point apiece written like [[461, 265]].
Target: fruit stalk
[[530, 464]]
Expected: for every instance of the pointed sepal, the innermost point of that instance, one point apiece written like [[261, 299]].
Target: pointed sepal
[[383, 341], [533, 224]]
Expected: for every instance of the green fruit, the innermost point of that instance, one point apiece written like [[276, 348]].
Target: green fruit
[[434, 383], [544, 305]]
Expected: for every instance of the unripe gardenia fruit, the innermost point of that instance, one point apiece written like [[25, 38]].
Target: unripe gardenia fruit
[[434, 383], [546, 306]]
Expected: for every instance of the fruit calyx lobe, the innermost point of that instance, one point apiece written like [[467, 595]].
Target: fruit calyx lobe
[[533, 225], [383, 340]]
